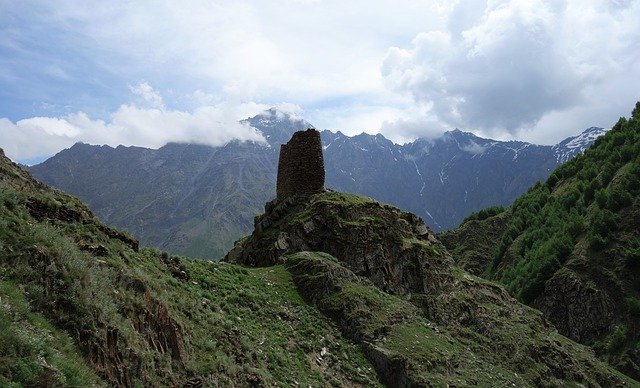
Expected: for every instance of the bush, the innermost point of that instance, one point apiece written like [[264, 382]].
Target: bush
[[552, 180], [618, 199], [570, 198], [598, 242], [617, 339], [589, 191], [634, 307], [603, 221], [575, 225], [632, 258], [607, 174], [602, 198], [484, 213]]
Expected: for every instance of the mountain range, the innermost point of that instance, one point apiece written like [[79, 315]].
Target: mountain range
[[336, 289], [197, 200], [330, 289]]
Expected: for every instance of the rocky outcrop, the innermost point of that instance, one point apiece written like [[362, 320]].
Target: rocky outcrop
[[373, 240], [578, 308], [320, 279], [381, 273], [301, 165]]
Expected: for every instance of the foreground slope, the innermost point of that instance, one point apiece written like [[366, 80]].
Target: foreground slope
[[82, 305], [571, 246], [391, 286]]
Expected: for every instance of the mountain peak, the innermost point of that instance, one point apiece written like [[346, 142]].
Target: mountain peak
[[277, 125], [458, 135], [275, 114], [573, 145]]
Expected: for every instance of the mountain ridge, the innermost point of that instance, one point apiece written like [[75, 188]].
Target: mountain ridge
[[82, 305], [116, 182]]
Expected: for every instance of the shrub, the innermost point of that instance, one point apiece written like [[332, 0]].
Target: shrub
[[484, 213], [634, 307], [552, 180], [618, 199], [632, 258], [602, 198], [617, 339]]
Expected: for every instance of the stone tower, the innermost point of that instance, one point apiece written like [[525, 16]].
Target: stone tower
[[301, 165]]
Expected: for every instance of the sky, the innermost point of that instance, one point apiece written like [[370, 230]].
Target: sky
[[146, 73]]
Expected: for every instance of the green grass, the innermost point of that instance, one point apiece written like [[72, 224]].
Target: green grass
[[491, 345], [172, 320], [32, 351], [280, 335]]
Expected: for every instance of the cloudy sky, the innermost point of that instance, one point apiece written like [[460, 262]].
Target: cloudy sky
[[149, 72]]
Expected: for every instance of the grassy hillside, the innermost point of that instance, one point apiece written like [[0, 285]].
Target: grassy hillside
[[84, 305], [81, 305], [571, 246], [391, 286]]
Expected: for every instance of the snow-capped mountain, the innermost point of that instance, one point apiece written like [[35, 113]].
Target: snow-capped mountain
[[196, 200], [571, 146], [277, 126]]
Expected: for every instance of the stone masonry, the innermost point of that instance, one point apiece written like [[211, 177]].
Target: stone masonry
[[301, 165]]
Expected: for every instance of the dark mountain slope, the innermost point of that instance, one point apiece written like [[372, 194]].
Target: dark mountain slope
[[81, 305], [196, 200], [463, 173], [185, 198], [571, 246]]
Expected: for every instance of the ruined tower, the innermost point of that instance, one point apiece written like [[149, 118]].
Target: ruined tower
[[301, 165]]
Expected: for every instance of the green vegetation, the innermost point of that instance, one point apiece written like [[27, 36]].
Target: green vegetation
[[583, 198], [585, 217], [32, 351], [382, 299], [473, 242], [81, 306], [484, 213], [433, 346]]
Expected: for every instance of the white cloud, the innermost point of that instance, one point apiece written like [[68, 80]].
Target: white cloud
[[512, 65], [301, 51], [531, 69], [131, 125], [50, 126], [473, 148], [21, 142], [504, 72], [149, 95]]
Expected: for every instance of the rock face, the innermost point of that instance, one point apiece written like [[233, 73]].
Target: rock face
[[375, 241], [579, 308], [301, 165]]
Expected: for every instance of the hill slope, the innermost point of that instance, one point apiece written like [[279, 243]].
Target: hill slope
[[81, 305], [571, 246], [85, 306], [196, 200], [391, 286]]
